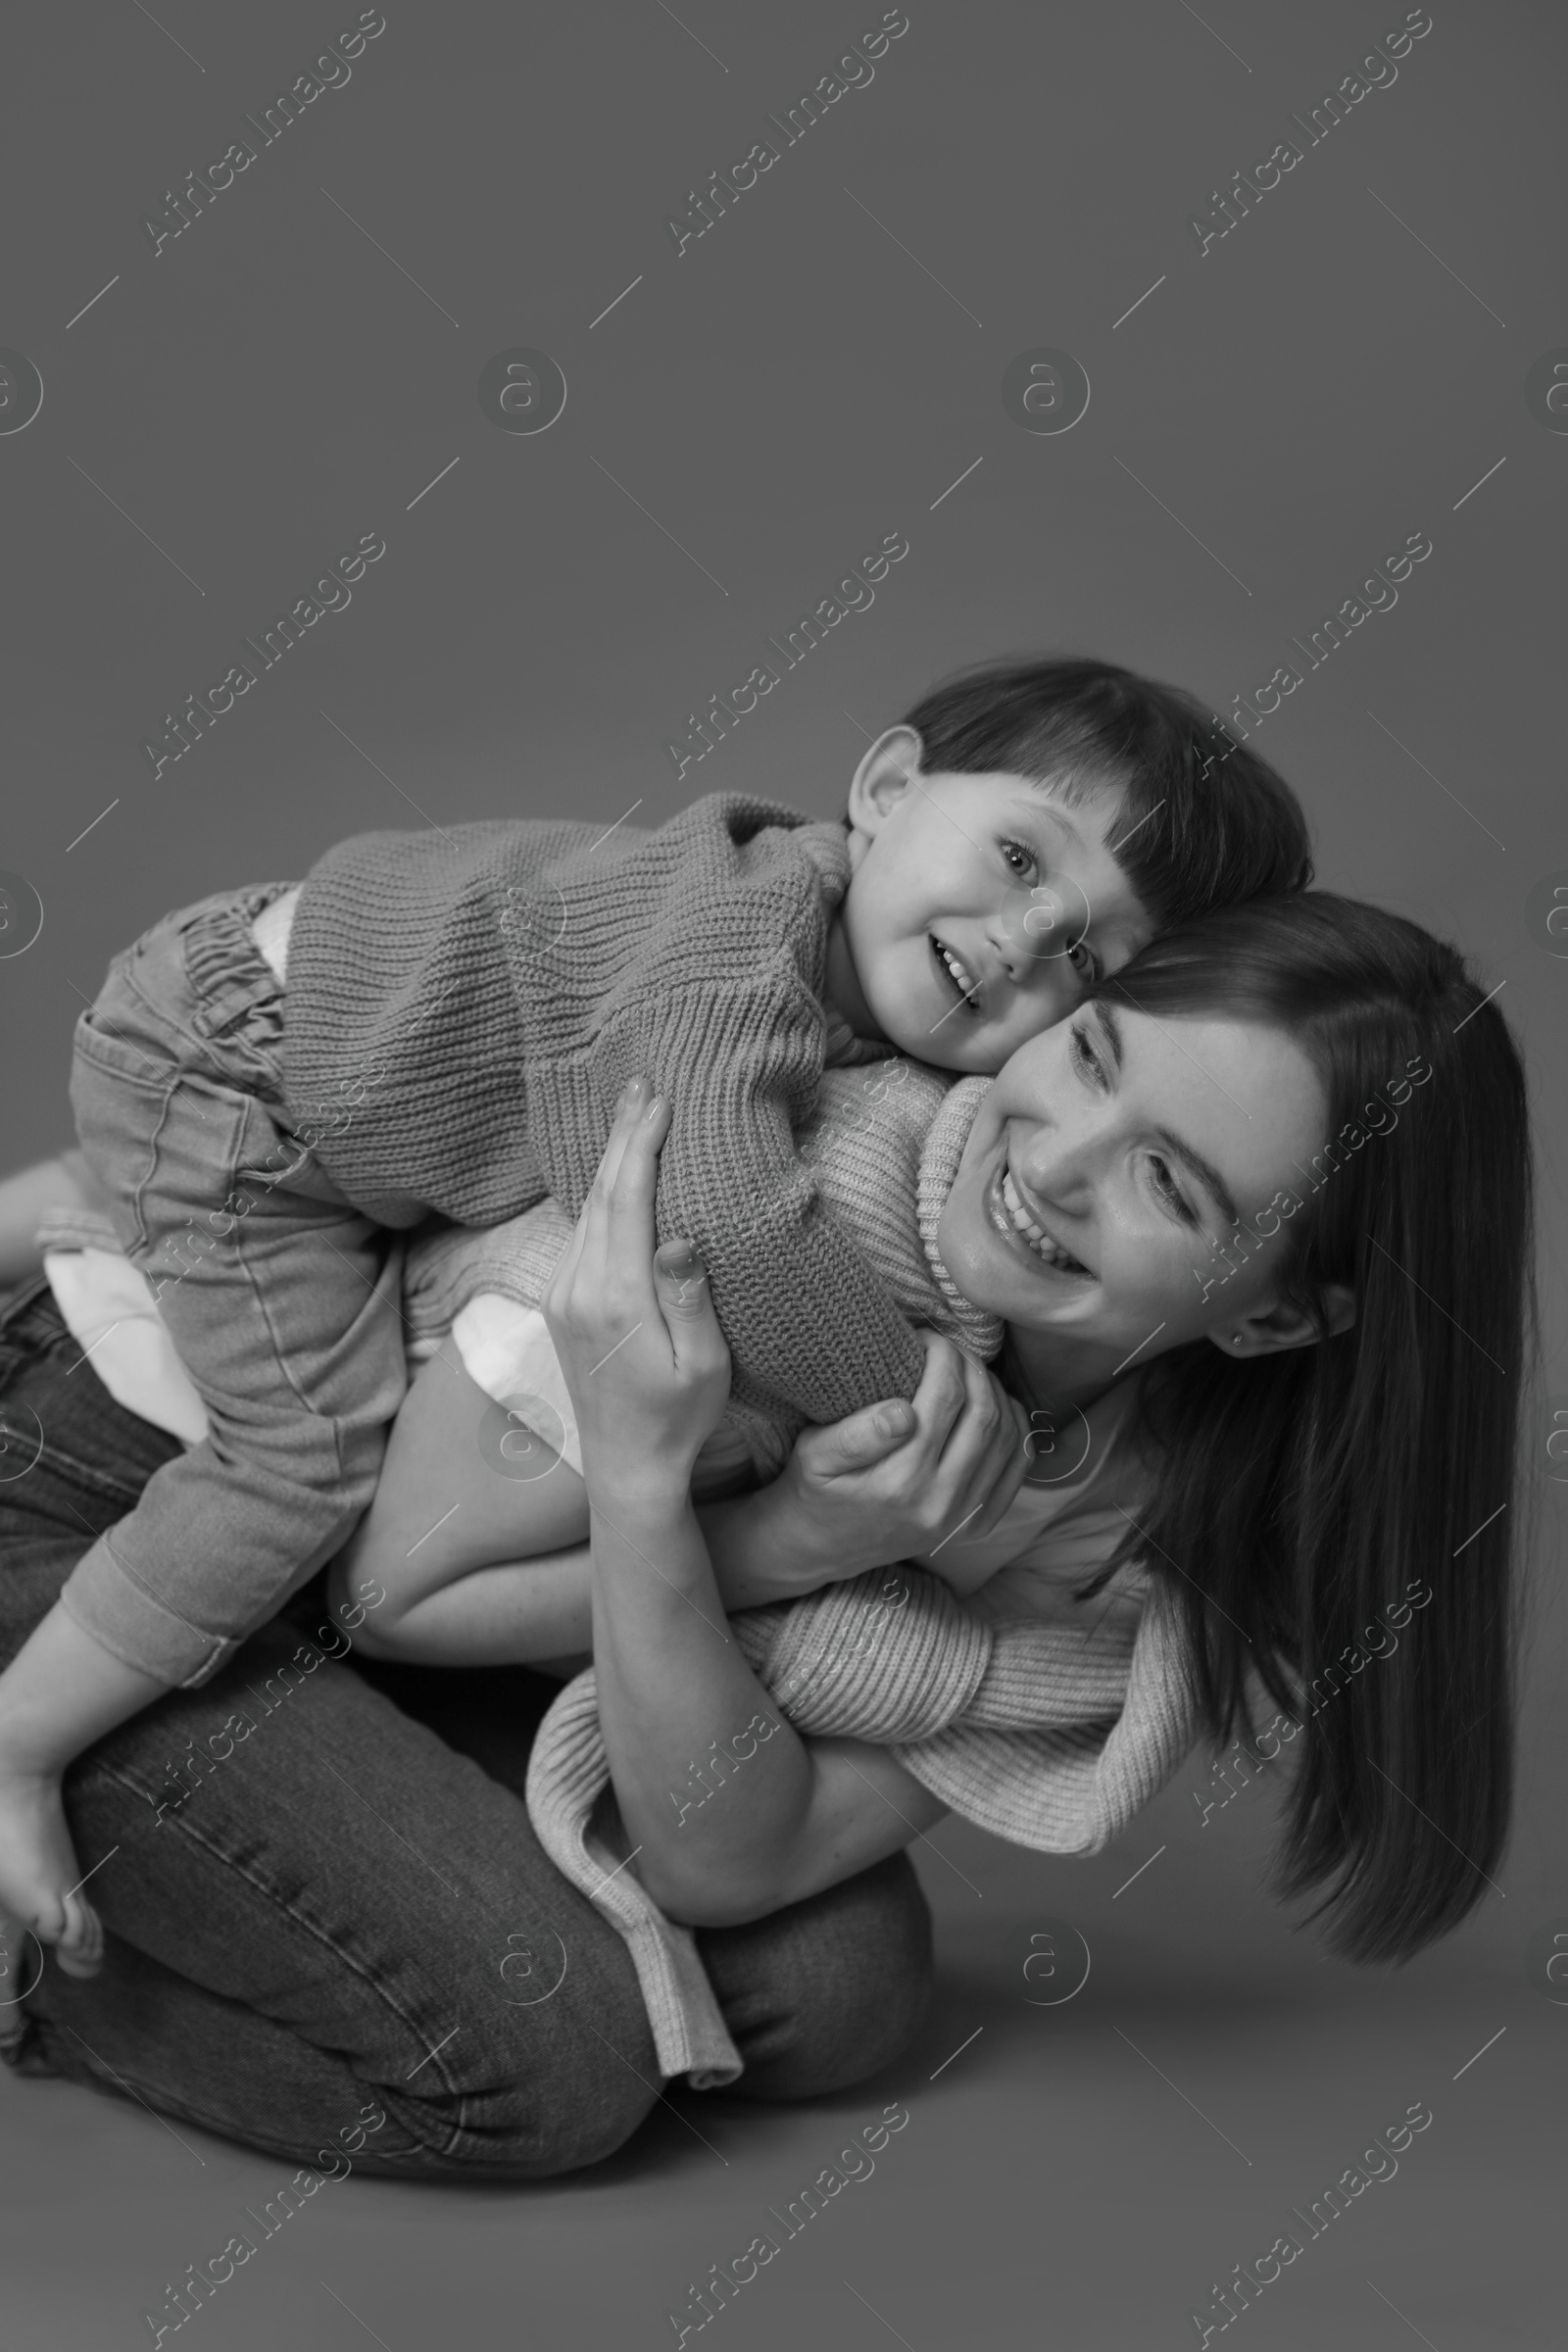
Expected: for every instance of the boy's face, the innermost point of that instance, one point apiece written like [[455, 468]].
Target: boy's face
[[981, 908]]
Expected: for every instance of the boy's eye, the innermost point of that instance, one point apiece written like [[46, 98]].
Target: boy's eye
[[1084, 962], [1018, 861]]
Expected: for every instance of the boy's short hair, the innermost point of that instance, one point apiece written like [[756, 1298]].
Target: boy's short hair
[[1207, 822]]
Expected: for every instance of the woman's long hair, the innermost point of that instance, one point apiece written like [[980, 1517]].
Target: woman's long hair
[[1311, 1498]]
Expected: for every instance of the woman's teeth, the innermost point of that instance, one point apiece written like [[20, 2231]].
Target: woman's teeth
[[1039, 1243]]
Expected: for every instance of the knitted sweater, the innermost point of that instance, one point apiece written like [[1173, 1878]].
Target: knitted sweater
[[463, 1008], [1048, 1737], [882, 1148]]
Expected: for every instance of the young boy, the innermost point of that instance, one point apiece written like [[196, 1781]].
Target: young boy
[[443, 1022]]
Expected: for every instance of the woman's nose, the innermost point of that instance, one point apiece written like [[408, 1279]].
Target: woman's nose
[[1058, 1165]]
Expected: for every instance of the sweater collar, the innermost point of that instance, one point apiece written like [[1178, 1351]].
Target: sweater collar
[[939, 1166]]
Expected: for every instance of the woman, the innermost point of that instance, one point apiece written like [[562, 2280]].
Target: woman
[[1330, 1302], [1141, 1154]]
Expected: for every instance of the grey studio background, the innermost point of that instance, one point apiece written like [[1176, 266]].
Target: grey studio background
[[745, 418]]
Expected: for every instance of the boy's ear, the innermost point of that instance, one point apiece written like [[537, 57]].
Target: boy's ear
[[1270, 1327], [882, 778]]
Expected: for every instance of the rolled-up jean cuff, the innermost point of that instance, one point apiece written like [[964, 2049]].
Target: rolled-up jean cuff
[[133, 1624]]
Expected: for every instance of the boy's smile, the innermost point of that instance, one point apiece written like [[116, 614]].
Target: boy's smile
[[981, 909]]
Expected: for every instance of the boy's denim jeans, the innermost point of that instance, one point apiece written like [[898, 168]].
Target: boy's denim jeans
[[280, 1296], [324, 1895]]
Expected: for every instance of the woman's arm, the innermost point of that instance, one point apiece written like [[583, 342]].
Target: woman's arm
[[649, 1372], [896, 1481], [478, 1532]]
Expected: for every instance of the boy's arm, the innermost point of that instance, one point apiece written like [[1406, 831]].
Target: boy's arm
[[806, 1318]]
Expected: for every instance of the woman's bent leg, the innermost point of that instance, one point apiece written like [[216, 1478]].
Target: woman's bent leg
[[314, 1904], [829, 1992], [817, 1997], [320, 1910], [339, 1911]]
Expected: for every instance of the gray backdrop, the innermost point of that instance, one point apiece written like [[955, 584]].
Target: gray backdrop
[[1366, 354]]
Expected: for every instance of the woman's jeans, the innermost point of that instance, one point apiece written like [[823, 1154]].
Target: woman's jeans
[[322, 1895]]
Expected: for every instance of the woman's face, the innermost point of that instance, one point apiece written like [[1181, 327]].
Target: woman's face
[[1112, 1157]]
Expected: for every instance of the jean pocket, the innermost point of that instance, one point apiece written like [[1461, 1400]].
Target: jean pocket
[[118, 1099], [167, 1146], [108, 1047]]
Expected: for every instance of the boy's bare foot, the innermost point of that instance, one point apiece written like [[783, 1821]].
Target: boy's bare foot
[[40, 1879]]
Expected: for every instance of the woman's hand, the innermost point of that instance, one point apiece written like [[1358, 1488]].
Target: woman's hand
[[896, 1481], [634, 1328], [649, 1373]]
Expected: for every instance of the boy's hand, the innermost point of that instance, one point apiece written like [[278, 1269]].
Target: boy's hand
[[635, 1331], [40, 1879], [902, 1481]]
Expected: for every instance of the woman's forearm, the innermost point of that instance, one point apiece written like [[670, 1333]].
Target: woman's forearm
[[760, 1549], [674, 1685], [648, 1368], [783, 1541]]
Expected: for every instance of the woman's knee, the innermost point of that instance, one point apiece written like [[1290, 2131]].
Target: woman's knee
[[525, 2107], [825, 1993]]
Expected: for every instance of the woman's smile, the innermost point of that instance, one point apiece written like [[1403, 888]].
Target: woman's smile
[[1017, 1224]]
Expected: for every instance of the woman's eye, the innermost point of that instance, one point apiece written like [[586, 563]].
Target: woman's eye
[[1086, 1060], [1169, 1194], [1019, 861]]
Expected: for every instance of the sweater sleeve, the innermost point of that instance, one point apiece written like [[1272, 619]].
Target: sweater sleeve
[[806, 1318]]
